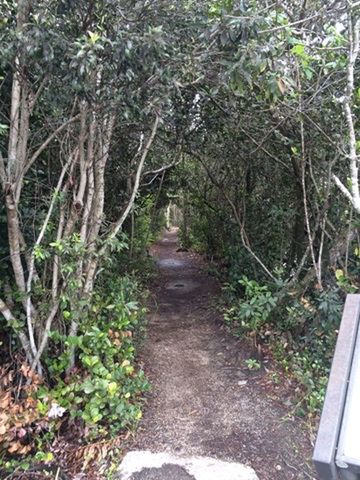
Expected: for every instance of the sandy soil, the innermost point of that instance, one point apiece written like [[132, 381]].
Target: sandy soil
[[204, 401]]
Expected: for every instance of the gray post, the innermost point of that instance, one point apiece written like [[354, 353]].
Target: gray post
[[347, 475], [332, 414]]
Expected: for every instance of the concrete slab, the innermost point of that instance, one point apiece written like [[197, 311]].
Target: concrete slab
[[145, 465]]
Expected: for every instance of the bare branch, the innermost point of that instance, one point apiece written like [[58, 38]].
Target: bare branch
[[45, 336], [2, 171], [126, 212], [282, 27], [239, 221], [162, 169], [32, 260], [47, 141], [354, 46], [342, 187], [263, 149]]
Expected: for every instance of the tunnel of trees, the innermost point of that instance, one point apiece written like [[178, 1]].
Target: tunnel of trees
[[241, 113]]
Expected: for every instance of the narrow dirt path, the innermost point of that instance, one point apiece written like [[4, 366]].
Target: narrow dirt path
[[204, 401]]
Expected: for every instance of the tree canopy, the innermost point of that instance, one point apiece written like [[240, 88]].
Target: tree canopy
[[243, 113]]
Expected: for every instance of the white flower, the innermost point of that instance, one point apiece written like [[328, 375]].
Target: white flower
[[56, 411]]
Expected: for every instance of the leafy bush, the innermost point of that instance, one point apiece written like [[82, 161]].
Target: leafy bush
[[249, 313], [103, 393], [105, 389], [308, 335], [301, 332], [252, 364]]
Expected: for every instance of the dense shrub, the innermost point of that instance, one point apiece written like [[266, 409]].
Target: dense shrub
[[101, 396], [301, 333]]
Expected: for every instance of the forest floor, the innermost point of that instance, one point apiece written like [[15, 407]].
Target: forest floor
[[204, 401]]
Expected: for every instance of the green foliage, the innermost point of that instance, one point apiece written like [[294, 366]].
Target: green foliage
[[301, 333], [252, 364], [344, 282], [259, 203], [303, 336], [143, 228], [251, 113], [105, 389], [146, 227], [103, 394], [251, 312]]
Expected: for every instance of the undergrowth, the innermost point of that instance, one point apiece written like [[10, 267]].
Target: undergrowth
[[296, 321], [301, 333], [69, 420], [99, 398]]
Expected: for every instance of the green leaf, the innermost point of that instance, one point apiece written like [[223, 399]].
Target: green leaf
[[112, 388], [298, 50], [308, 73], [93, 37], [339, 274], [42, 407], [88, 388]]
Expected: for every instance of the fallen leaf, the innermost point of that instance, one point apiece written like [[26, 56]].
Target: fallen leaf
[[5, 400], [14, 447]]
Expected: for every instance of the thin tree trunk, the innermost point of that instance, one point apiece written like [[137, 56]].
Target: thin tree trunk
[[352, 194]]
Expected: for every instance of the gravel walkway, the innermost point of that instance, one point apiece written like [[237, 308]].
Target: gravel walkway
[[204, 401]]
